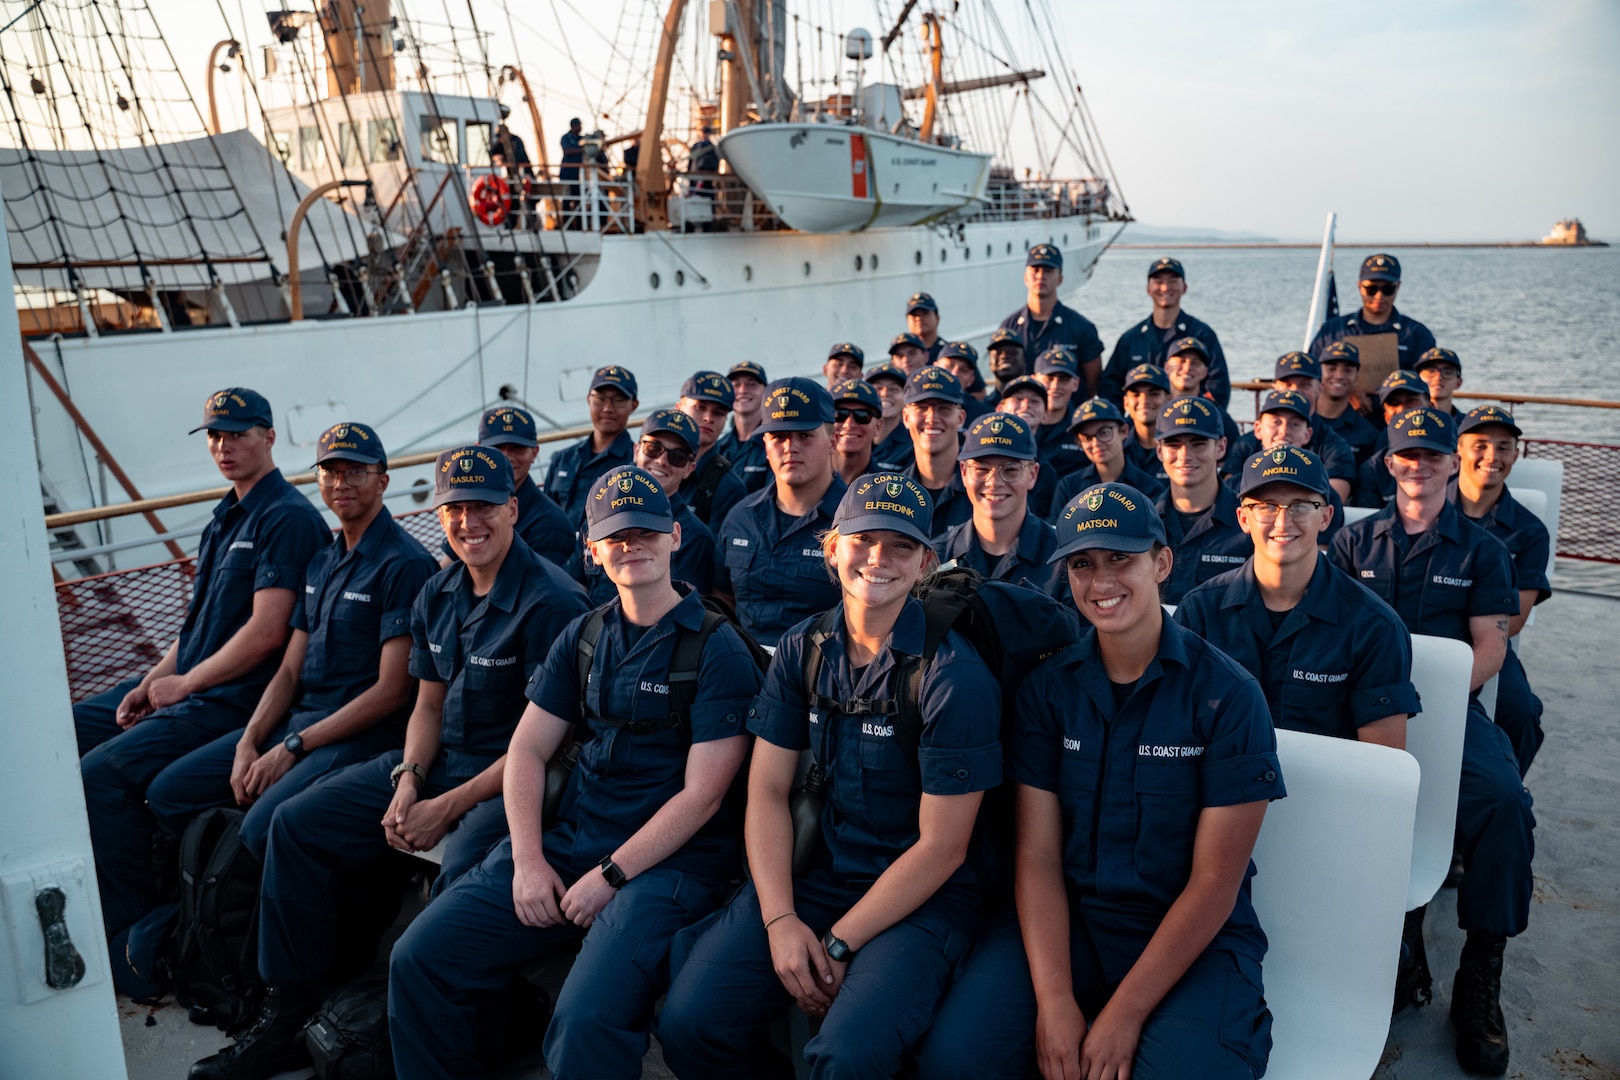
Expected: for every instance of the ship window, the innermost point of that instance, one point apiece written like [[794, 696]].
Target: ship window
[[382, 140], [680, 277], [478, 143], [349, 149], [748, 273], [919, 258], [311, 150], [857, 264], [806, 269], [283, 145], [439, 142], [874, 260], [653, 280], [943, 255]]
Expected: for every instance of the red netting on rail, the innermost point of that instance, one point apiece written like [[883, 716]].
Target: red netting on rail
[[1587, 526], [116, 626]]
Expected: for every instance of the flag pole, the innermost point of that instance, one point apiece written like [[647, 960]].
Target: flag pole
[[1324, 264]]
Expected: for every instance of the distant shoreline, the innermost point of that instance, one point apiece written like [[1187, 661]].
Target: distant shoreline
[[1358, 244]]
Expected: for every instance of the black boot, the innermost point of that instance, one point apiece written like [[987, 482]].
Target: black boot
[[1476, 1007], [274, 1044], [1414, 985]]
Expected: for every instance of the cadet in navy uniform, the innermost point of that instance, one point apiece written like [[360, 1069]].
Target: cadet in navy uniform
[[1199, 512], [644, 842], [1044, 320], [479, 629], [962, 360], [612, 398], [1301, 374], [767, 563], [1058, 370], [1003, 540], [573, 156], [934, 417], [1150, 341], [1446, 576], [857, 417], [743, 445], [1144, 760], [1285, 417], [907, 351], [1401, 390], [1331, 660], [1005, 355], [1336, 407], [1025, 398], [1101, 431], [868, 938], [892, 449], [1380, 281], [922, 322], [1441, 371], [1187, 369], [343, 690], [845, 360], [541, 522], [250, 564], [713, 488], [667, 450], [1488, 447], [1147, 388]]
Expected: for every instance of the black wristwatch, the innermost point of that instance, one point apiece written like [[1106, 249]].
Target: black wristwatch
[[611, 872], [837, 948], [294, 743]]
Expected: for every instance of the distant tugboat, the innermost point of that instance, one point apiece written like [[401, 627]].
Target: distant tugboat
[[1570, 233]]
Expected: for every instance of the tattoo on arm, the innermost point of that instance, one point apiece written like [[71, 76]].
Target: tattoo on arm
[[1502, 625]]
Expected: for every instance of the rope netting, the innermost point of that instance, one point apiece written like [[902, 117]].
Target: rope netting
[[1587, 527]]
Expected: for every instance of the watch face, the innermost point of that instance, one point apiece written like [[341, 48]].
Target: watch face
[[294, 743]]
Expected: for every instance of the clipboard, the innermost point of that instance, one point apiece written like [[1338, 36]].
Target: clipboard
[[1380, 356]]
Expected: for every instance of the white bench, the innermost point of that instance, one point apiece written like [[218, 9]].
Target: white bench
[[1440, 670], [1333, 860], [1353, 514]]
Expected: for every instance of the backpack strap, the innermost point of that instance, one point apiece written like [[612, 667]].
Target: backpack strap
[[819, 633], [708, 483], [585, 655], [942, 608], [684, 661]]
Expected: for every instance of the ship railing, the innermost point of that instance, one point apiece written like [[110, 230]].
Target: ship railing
[[1006, 199], [588, 198], [718, 202]]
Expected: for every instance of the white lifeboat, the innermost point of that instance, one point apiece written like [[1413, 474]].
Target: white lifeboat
[[829, 178]]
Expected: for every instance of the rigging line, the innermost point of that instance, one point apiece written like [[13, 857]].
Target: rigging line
[[483, 51], [51, 218], [322, 127], [19, 17], [568, 48], [1113, 178]]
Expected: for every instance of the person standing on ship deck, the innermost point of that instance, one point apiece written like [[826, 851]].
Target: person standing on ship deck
[[922, 322], [1337, 406], [1380, 281], [857, 413], [907, 351], [933, 415], [250, 563], [744, 444], [541, 522], [1006, 357], [612, 399], [1446, 576], [1045, 321], [713, 488], [1150, 341], [573, 156], [892, 450]]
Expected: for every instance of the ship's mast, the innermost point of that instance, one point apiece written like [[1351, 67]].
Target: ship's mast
[[652, 195], [935, 76], [359, 46]]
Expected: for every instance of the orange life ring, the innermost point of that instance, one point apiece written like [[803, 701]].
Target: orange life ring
[[490, 199]]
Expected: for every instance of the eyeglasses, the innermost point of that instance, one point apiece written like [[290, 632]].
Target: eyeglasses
[[1009, 471], [354, 476], [1105, 434], [483, 511], [1297, 512], [1380, 288], [860, 416], [653, 449], [613, 399]]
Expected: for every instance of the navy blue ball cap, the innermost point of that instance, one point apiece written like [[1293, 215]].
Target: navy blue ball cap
[[709, 386], [234, 409], [796, 404], [619, 378], [627, 498], [676, 423], [886, 502], [748, 368], [1487, 415], [959, 350], [857, 392], [1296, 363], [885, 371], [506, 426], [1286, 401], [350, 442], [1147, 375], [1380, 268], [1285, 465], [907, 338], [471, 474], [1004, 339], [1024, 384], [1437, 356], [921, 302], [1423, 429], [1095, 409], [1166, 265], [1108, 517], [848, 348], [1190, 416], [1403, 382], [1189, 345], [933, 383], [998, 434], [1058, 360], [1341, 352], [1045, 255]]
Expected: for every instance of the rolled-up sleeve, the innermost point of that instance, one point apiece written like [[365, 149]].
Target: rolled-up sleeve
[[780, 713], [1240, 761]]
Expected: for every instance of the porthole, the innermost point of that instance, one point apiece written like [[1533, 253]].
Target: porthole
[[806, 269], [919, 258], [1009, 247], [942, 255], [654, 279], [420, 491], [748, 273], [987, 251], [967, 253], [680, 277], [874, 260], [1065, 238], [857, 264]]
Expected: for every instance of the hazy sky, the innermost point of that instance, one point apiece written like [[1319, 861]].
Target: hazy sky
[[1426, 119]]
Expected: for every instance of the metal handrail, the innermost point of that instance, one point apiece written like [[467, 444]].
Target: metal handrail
[[1512, 398]]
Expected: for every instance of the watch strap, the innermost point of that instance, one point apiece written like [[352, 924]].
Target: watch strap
[[837, 948], [611, 872], [406, 767]]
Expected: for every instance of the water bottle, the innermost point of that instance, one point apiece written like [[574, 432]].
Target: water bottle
[[804, 807]]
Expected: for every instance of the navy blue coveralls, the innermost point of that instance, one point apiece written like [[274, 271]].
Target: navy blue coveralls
[[1374, 486], [692, 562], [1356, 430], [541, 523], [748, 461], [1132, 767], [574, 471], [1078, 481], [484, 649], [1435, 581], [1210, 543], [951, 505], [353, 601], [1145, 343], [1336, 661], [1414, 338], [573, 156], [896, 452], [772, 565], [727, 493], [263, 541], [1066, 327], [467, 944], [1060, 451], [1026, 564], [1518, 709], [715, 1019]]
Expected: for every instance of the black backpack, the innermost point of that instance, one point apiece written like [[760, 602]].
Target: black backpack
[[216, 938], [706, 485], [347, 1037]]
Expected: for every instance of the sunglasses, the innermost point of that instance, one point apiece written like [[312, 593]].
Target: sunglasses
[[1380, 288], [860, 416], [653, 450]]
